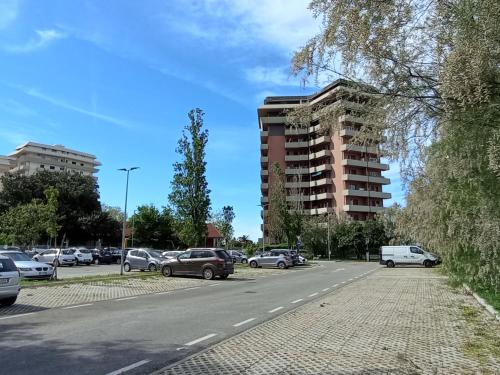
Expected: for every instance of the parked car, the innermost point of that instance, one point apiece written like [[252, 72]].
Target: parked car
[[392, 255], [269, 259], [95, 255], [238, 256], [105, 257], [59, 257], [27, 267], [82, 256], [9, 281], [143, 259], [291, 255], [301, 260], [171, 254], [117, 254], [206, 262]]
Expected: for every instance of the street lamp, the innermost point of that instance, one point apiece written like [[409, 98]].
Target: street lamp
[[125, 216]]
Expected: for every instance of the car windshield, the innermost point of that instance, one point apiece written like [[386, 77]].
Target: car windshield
[[68, 252], [85, 251], [7, 265], [19, 257], [155, 254]]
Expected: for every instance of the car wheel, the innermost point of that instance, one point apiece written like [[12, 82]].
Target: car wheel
[[253, 264], [244, 261], [8, 301], [208, 273], [224, 277], [282, 265], [72, 264], [427, 264], [166, 271], [152, 267], [126, 267], [55, 263], [390, 264]]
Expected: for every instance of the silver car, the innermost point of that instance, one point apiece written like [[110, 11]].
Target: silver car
[[9, 281], [28, 268], [238, 256], [56, 257], [143, 259], [270, 260]]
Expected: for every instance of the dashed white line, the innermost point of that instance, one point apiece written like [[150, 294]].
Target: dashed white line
[[297, 300], [161, 293], [125, 299], [312, 295], [195, 287], [130, 367], [276, 309], [190, 343], [243, 322], [324, 290], [74, 307], [215, 284], [350, 279], [335, 285], [343, 282], [16, 316]]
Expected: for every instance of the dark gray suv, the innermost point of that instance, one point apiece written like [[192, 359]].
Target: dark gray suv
[[206, 262]]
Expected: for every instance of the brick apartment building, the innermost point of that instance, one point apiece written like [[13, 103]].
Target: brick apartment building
[[325, 171]]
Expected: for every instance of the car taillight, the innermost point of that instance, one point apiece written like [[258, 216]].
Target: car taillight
[[220, 261]]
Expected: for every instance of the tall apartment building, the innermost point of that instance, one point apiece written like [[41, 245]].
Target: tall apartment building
[[325, 171], [32, 157]]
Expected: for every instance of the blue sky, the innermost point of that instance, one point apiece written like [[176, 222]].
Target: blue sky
[[116, 78]]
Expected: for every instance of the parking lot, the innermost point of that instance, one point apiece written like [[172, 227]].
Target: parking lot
[[92, 270]]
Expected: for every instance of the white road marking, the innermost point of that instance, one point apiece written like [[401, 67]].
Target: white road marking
[[312, 295], [350, 279], [297, 300], [16, 316], [276, 309], [339, 269], [125, 299], [343, 282], [181, 348], [130, 367], [74, 307], [161, 293], [190, 343], [215, 284], [324, 290], [243, 322], [335, 285], [195, 287]]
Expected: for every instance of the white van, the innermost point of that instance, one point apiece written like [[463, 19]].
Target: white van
[[9, 281], [406, 254]]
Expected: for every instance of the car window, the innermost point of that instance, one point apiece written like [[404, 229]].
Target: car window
[[416, 250], [196, 254], [133, 253], [155, 254], [19, 257], [208, 254], [222, 254], [184, 256], [68, 252], [7, 265], [143, 254], [48, 252], [85, 251]]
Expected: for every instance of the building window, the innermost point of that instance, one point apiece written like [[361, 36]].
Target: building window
[[52, 167], [42, 166], [73, 162], [61, 168]]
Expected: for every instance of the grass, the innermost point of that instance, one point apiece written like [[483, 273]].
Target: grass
[[109, 279]]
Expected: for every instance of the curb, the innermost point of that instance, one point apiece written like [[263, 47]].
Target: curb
[[483, 303]]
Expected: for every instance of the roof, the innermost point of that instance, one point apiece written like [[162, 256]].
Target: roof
[[55, 147], [212, 231]]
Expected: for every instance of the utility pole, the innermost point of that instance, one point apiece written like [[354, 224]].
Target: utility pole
[[125, 217]]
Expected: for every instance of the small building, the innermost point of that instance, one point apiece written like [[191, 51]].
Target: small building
[[214, 238]]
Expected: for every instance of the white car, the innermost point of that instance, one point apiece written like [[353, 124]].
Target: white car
[[9, 281], [301, 260], [27, 267], [82, 256], [407, 254], [56, 257]]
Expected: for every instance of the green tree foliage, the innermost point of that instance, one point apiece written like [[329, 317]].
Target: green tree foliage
[[115, 213], [277, 206], [153, 228], [78, 197], [223, 221], [101, 226], [190, 194], [434, 72]]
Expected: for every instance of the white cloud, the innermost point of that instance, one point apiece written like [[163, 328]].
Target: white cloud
[[65, 105], [43, 39], [8, 12], [270, 76]]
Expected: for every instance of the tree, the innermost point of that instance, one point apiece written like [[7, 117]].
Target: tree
[[153, 228], [277, 207], [190, 194], [100, 226], [223, 221], [115, 213]]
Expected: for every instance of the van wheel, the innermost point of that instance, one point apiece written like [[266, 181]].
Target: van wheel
[[253, 264], [390, 264], [126, 267], [427, 264], [152, 268], [208, 273], [8, 301], [166, 271], [282, 265]]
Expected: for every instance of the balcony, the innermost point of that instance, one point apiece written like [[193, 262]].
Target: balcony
[[264, 133], [297, 184], [315, 129], [320, 154], [365, 178], [297, 198], [318, 197], [320, 211], [359, 148], [264, 146], [319, 140], [320, 168], [295, 171], [296, 131], [366, 193], [264, 199], [320, 182], [348, 131], [362, 208], [264, 172], [350, 118], [273, 119], [264, 186], [364, 164], [298, 144], [297, 157], [264, 159]]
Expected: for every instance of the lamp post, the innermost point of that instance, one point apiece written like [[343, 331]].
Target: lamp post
[[125, 217]]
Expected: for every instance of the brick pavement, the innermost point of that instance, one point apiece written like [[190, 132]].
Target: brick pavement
[[395, 321]]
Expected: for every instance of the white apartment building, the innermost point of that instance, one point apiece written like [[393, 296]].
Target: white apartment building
[[32, 157]]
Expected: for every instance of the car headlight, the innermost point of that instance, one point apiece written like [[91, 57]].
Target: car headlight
[[24, 269]]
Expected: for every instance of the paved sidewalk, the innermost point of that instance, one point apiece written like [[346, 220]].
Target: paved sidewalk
[[41, 298], [395, 321]]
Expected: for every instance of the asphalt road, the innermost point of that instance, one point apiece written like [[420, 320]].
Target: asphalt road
[[138, 335]]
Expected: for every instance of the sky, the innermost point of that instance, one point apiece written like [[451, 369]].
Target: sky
[[116, 79]]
